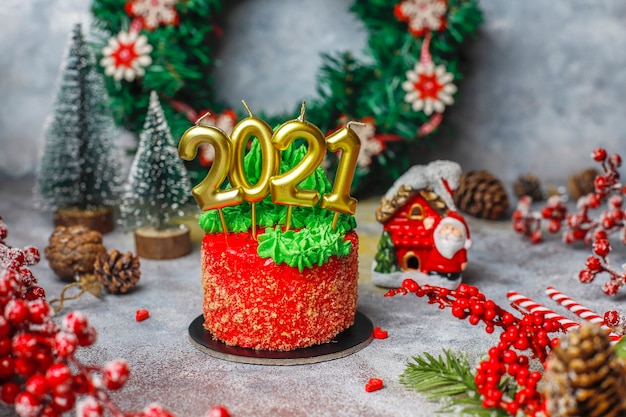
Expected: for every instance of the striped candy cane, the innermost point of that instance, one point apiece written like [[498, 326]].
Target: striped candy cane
[[531, 306], [580, 310]]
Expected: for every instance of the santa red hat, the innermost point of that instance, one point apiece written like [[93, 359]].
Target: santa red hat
[[456, 219]]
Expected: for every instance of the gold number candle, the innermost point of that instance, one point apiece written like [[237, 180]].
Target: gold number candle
[[339, 198], [240, 136], [208, 193]]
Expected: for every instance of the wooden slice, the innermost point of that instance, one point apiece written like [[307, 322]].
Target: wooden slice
[[99, 219], [169, 243]]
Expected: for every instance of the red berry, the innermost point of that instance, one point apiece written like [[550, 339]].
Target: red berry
[[611, 287], [81, 385], [65, 344], [586, 276], [410, 285], [594, 200], [374, 384], [62, 402], [39, 311], [31, 255], [218, 411], [512, 408], [156, 410], [601, 247], [75, 322], [554, 226], [141, 315], [535, 237], [27, 405], [87, 337], [509, 356], [35, 292], [380, 333], [17, 255], [59, 376], [24, 345], [616, 160], [25, 367], [594, 264], [598, 154], [89, 407], [17, 311], [116, 374], [37, 385], [7, 367], [9, 391], [612, 318]]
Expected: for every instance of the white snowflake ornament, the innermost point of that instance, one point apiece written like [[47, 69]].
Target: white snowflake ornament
[[429, 88], [422, 15], [126, 56], [154, 12]]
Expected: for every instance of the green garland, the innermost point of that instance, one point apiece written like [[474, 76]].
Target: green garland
[[182, 60]]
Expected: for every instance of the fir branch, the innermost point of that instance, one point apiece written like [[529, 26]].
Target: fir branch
[[448, 378]]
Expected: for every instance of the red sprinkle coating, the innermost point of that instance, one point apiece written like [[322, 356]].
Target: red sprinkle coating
[[254, 303]]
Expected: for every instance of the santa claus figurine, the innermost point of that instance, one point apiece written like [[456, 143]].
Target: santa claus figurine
[[450, 244]]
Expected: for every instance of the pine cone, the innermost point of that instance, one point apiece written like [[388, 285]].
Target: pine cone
[[582, 183], [73, 250], [117, 272], [482, 195], [530, 185], [584, 377]]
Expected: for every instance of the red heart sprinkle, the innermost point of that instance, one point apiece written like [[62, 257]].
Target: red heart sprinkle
[[374, 384], [141, 315], [380, 333]]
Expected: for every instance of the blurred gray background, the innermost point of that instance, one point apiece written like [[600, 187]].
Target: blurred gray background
[[544, 81]]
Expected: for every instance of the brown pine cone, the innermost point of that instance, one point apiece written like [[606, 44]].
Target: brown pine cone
[[528, 184], [117, 272], [582, 183], [481, 194], [73, 250], [584, 377]]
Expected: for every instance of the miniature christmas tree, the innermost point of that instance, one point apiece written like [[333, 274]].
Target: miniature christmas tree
[[158, 188], [386, 260], [79, 167]]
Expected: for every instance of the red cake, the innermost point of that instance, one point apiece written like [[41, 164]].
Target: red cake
[[253, 302]]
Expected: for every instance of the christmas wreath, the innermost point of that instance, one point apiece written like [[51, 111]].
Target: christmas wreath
[[400, 93]]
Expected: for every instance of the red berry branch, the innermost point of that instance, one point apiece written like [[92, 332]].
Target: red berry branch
[[39, 373], [580, 226], [521, 340], [599, 263]]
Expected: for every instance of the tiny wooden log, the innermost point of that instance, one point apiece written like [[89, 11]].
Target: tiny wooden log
[[170, 243], [98, 219]]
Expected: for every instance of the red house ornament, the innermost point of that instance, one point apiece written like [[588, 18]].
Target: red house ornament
[[424, 237]]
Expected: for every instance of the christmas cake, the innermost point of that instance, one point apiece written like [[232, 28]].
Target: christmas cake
[[288, 283]]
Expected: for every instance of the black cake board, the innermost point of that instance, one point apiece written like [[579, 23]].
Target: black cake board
[[351, 340]]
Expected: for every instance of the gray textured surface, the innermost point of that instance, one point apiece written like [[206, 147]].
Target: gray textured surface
[[167, 368], [544, 80]]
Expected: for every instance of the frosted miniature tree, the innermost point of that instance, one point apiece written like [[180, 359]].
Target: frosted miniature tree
[[158, 188], [79, 165]]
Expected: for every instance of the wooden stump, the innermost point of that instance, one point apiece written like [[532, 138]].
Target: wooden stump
[[99, 219], [167, 243]]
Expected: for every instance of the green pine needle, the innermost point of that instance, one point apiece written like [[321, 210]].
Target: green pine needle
[[448, 379]]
